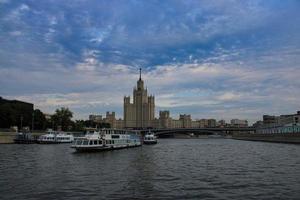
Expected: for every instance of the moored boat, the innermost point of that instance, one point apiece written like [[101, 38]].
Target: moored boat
[[106, 139], [25, 138], [150, 138], [54, 137]]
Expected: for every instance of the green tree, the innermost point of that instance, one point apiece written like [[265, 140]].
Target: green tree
[[62, 118], [39, 120], [79, 125]]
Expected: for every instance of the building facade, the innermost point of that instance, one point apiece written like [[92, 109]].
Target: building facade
[[272, 120], [95, 118], [140, 113], [238, 123], [15, 113]]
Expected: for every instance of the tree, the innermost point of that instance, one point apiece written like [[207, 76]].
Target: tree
[[79, 125], [62, 117], [39, 120]]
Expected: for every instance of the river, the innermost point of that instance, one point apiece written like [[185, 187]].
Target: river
[[172, 169]]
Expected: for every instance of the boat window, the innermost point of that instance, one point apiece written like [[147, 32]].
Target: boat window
[[78, 142], [85, 142], [95, 142], [115, 136], [100, 142]]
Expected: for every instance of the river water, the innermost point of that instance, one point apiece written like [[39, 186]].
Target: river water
[[172, 169]]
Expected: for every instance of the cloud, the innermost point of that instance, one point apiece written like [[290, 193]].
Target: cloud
[[208, 58], [229, 96]]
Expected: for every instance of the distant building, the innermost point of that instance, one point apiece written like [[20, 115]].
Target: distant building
[[95, 118], [271, 120], [186, 121], [203, 123], [164, 119], [176, 123], [140, 113], [239, 123], [212, 123], [258, 124], [15, 113], [290, 119], [119, 124], [110, 119], [221, 123], [195, 124]]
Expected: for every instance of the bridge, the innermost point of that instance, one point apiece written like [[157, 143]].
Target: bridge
[[199, 131]]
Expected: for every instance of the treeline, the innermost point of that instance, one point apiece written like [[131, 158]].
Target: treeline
[[21, 114], [63, 119]]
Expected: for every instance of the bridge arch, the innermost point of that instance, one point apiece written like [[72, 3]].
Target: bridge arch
[[186, 132], [199, 131]]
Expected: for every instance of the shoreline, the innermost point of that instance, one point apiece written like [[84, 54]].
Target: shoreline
[[290, 138]]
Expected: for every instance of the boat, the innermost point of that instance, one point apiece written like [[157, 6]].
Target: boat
[[25, 138], [55, 137], [150, 138], [216, 136], [106, 139]]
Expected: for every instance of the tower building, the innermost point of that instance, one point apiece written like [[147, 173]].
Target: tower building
[[140, 113]]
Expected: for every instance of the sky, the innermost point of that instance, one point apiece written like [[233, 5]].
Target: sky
[[220, 59]]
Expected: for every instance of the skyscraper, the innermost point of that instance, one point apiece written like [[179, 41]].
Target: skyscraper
[[140, 113]]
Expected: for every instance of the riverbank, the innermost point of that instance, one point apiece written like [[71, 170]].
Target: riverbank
[[293, 138], [8, 137]]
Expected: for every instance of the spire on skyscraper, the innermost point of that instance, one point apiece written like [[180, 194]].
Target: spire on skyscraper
[[140, 73]]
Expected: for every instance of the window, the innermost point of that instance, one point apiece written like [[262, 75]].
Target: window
[[85, 142], [78, 142]]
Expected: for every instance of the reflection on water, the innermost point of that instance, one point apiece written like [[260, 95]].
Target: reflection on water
[[172, 169]]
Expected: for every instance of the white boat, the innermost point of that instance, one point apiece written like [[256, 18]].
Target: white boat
[[150, 138], [215, 136], [106, 139], [54, 137]]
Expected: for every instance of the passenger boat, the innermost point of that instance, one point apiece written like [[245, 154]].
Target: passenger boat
[[106, 139], [54, 137], [25, 138], [150, 138]]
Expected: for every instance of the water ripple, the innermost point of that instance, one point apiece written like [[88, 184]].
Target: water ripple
[[172, 169]]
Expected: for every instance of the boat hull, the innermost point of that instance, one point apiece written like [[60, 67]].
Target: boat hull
[[53, 142], [105, 148], [150, 142]]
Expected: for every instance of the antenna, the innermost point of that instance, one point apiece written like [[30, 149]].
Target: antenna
[[140, 73]]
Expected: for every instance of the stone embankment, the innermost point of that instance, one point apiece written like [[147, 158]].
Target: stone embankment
[[282, 138]]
